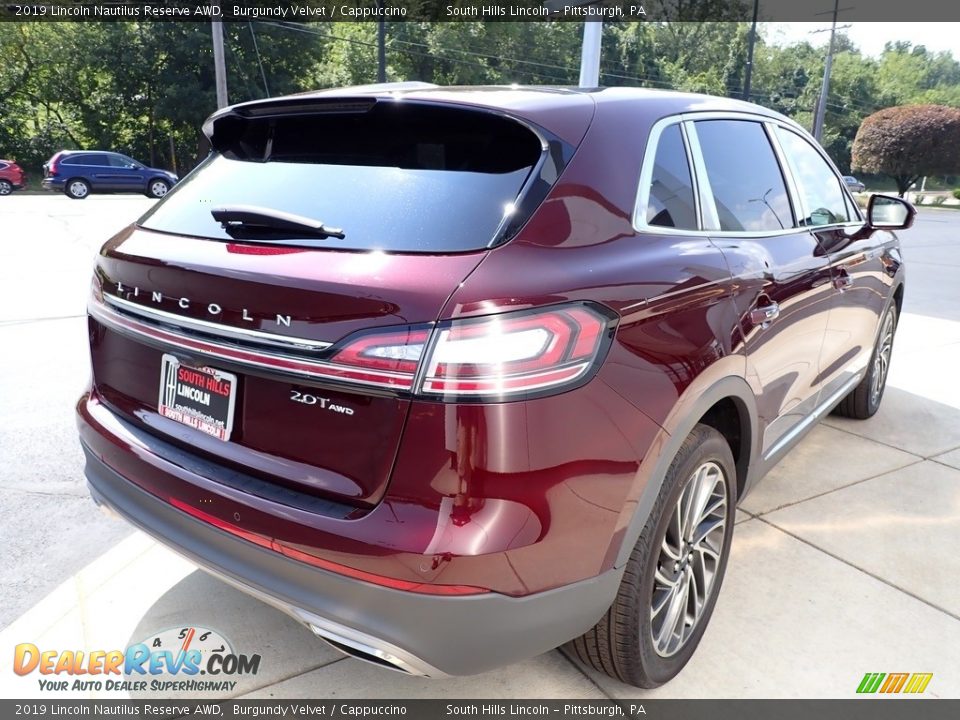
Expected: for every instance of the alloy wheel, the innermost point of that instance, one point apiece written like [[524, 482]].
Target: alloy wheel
[[5, 187], [689, 559], [158, 189], [881, 362], [79, 189]]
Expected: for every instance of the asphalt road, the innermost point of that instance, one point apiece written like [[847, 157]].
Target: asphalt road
[[49, 528]]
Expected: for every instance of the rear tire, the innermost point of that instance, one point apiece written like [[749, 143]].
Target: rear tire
[[670, 586], [76, 189], [157, 188], [6, 187], [864, 400]]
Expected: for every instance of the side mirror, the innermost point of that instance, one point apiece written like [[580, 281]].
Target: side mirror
[[889, 213]]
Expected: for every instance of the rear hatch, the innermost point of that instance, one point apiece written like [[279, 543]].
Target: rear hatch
[[269, 312]]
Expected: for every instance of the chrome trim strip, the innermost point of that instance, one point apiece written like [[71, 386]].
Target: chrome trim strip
[[710, 221], [786, 171], [818, 412], [168, 318], [316, 370]]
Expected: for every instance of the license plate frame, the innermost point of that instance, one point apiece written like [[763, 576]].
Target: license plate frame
[[198, 396]]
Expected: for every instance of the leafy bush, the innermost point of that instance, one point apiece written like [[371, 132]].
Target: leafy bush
[[956, 193], [908, 142]]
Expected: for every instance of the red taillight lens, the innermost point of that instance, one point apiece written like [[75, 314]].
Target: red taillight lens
[[495, 358], [385, 358], [514, 355]]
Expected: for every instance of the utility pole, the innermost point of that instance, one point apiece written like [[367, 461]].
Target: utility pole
[[592, 35], [590, 54], [381, 47], [219, 64], [825, 88], [753, 40]]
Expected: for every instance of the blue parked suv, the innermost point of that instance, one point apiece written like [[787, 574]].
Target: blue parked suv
[[81, 172]]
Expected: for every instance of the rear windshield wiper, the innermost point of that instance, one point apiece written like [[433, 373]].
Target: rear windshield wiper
[[252, 219]]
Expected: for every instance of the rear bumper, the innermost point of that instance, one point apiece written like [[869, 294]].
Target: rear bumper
[[51, 183], [416, 633]]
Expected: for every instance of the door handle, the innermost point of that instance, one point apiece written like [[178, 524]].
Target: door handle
[[842, 281], [765, 314]]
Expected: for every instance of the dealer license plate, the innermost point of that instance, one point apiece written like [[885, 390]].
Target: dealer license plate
[[201, 397]]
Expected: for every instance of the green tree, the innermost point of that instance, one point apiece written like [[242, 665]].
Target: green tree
[[908, 142]]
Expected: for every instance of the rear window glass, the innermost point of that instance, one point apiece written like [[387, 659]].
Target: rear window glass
[[670, 203], [393, 177]]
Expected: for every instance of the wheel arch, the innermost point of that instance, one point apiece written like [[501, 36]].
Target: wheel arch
[[729, 406], [73, 178]]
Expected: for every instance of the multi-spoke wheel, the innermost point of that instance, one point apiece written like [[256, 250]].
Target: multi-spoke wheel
[[864, 400], [689, 559], [672, 578]]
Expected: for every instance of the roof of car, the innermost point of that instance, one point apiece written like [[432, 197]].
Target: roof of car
[[517, 97], [541, 105]]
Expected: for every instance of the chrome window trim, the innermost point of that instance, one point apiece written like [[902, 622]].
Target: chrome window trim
[[642, 200], [687, 148], [215, 329], [710, 219], [786, 170], [706, 208]]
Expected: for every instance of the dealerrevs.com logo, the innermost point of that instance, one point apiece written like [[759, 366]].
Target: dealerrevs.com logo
[[187, 659]]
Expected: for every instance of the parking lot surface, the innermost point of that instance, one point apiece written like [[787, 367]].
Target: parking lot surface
[[844, 558]]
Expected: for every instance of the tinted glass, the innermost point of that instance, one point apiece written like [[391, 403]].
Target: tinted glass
[[397, 178], [71, 160], [745, 178], [120, 161], [98, 159], [823, 198], [670, 202]]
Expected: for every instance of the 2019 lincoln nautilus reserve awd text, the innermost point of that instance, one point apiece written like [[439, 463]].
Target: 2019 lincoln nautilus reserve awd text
[[458, 375]]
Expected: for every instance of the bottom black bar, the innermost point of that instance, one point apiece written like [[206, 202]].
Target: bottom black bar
[[874, 708]]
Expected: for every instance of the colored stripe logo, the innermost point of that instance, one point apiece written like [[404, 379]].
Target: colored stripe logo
[[889, 683]]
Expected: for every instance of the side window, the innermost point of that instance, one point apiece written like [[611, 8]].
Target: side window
[[99, 160], [72, 160], [117, 161], [745, 178], [670, 200], [823, 199]]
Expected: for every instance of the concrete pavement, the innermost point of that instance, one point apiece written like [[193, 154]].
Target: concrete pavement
[[843, 559]]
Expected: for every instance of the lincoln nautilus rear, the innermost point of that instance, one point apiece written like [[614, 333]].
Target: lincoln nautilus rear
[[455, 376]]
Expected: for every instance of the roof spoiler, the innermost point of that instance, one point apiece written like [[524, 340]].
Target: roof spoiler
[[333, 100]]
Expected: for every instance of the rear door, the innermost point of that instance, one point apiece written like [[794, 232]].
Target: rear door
[[96, 167], [781, 269], [126, 173]]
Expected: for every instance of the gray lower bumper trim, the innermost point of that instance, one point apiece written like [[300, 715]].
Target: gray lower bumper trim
[[421, 634]]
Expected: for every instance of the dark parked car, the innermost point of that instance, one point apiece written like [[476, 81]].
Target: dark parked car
[[456, 376], [12, 177], [81, 172], [853, 184]]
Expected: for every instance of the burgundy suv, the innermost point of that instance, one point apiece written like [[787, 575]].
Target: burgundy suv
[[456, 376]]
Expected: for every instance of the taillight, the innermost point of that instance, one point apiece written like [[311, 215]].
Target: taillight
[[502, 357], [385, 358]]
